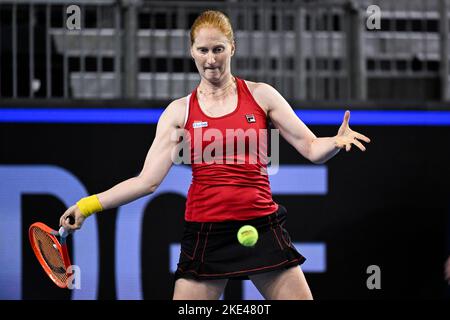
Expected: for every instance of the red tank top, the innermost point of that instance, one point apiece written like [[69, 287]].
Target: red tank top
[[233, 185]]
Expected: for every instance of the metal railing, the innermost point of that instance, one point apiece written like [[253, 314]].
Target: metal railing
[[41, 57], [309, 50]]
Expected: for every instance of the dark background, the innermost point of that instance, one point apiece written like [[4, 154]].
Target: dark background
[[388, 206]]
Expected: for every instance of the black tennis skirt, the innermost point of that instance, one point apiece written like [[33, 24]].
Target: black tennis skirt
[[211, 250]]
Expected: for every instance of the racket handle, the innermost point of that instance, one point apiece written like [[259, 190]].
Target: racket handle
[[63, 232]]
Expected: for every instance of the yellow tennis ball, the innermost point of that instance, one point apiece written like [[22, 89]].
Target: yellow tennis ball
[[247, 236]]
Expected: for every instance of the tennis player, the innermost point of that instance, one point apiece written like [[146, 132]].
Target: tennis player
[[224, 196]]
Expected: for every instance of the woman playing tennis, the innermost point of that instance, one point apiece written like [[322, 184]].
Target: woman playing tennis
[[227, 194]]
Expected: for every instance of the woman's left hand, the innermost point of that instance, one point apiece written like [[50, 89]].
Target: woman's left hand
[[346, 136]]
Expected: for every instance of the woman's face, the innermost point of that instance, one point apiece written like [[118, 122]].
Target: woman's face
[[212, 53]]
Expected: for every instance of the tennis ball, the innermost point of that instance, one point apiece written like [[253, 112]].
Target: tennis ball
[[247, 236]]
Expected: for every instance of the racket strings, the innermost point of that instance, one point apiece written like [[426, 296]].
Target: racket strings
[[50, 253]]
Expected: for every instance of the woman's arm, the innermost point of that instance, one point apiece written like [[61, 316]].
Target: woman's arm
[[317, 150], [156, 166], [157, 162]]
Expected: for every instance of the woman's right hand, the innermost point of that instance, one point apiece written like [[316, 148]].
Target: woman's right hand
[[76, 215]]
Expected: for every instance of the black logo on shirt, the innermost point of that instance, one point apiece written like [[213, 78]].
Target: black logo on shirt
[[250, 118]]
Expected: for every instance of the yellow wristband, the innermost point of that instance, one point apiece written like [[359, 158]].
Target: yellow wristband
[[89, 205]]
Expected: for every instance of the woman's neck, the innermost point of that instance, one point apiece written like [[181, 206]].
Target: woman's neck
[[215, 90]]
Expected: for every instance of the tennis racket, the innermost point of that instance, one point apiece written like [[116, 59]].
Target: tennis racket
[[51, 253]]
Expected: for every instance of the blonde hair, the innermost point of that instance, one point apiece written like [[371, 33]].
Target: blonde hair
[[214, 19]]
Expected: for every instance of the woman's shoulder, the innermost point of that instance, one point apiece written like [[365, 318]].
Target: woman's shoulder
[[259, 88], [176, 110], [261, 92], [252, 85]]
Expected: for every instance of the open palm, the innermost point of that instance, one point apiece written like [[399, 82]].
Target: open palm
[[346, 136]]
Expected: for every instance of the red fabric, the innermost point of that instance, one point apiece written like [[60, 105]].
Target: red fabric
[[229, 191]]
